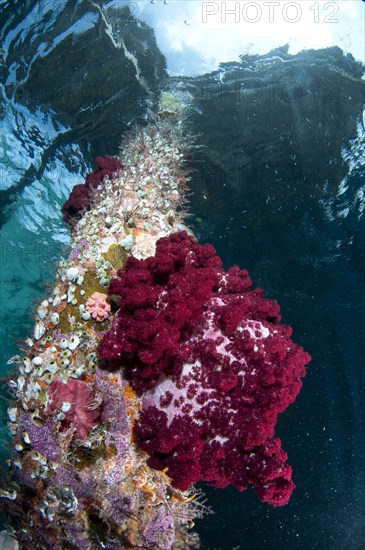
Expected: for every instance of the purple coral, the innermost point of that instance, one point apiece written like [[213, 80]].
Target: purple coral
[[42, 437], [160, 533]]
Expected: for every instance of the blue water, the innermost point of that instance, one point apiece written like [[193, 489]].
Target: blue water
[[278, 188]]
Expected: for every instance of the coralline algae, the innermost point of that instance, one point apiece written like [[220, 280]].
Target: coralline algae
[[77, 479]]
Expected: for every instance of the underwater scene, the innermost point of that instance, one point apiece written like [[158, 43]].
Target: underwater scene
[[182, 275]]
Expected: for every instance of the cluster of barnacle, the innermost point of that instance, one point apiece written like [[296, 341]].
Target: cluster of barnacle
[[68, 307], [57, 501], [59, 359], [32, 462], [140, 204], [133, 211]]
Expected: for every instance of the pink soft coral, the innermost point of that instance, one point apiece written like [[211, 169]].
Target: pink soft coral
[[98, 307], [76, 400]]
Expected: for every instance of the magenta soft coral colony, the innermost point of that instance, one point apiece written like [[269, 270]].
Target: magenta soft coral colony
[[212, 365], [150, 368]]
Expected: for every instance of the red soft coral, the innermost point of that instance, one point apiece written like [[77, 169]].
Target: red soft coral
[[80, 197], [213, 365], [76, 399]]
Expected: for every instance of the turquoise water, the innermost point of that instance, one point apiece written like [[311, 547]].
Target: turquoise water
[[278, 188]]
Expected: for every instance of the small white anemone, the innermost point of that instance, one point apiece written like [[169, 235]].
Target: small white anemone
[[20, 383], [39, 330], [38, 457], [11, 495], [73, 342], [72, 273], [47, 377], [57, 300], [28, 366], [78, 371], [55, 318], [71, 293], [63, 343], [127, 242], [12, 413], [12, 427], [42, 311], [52, 367]]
